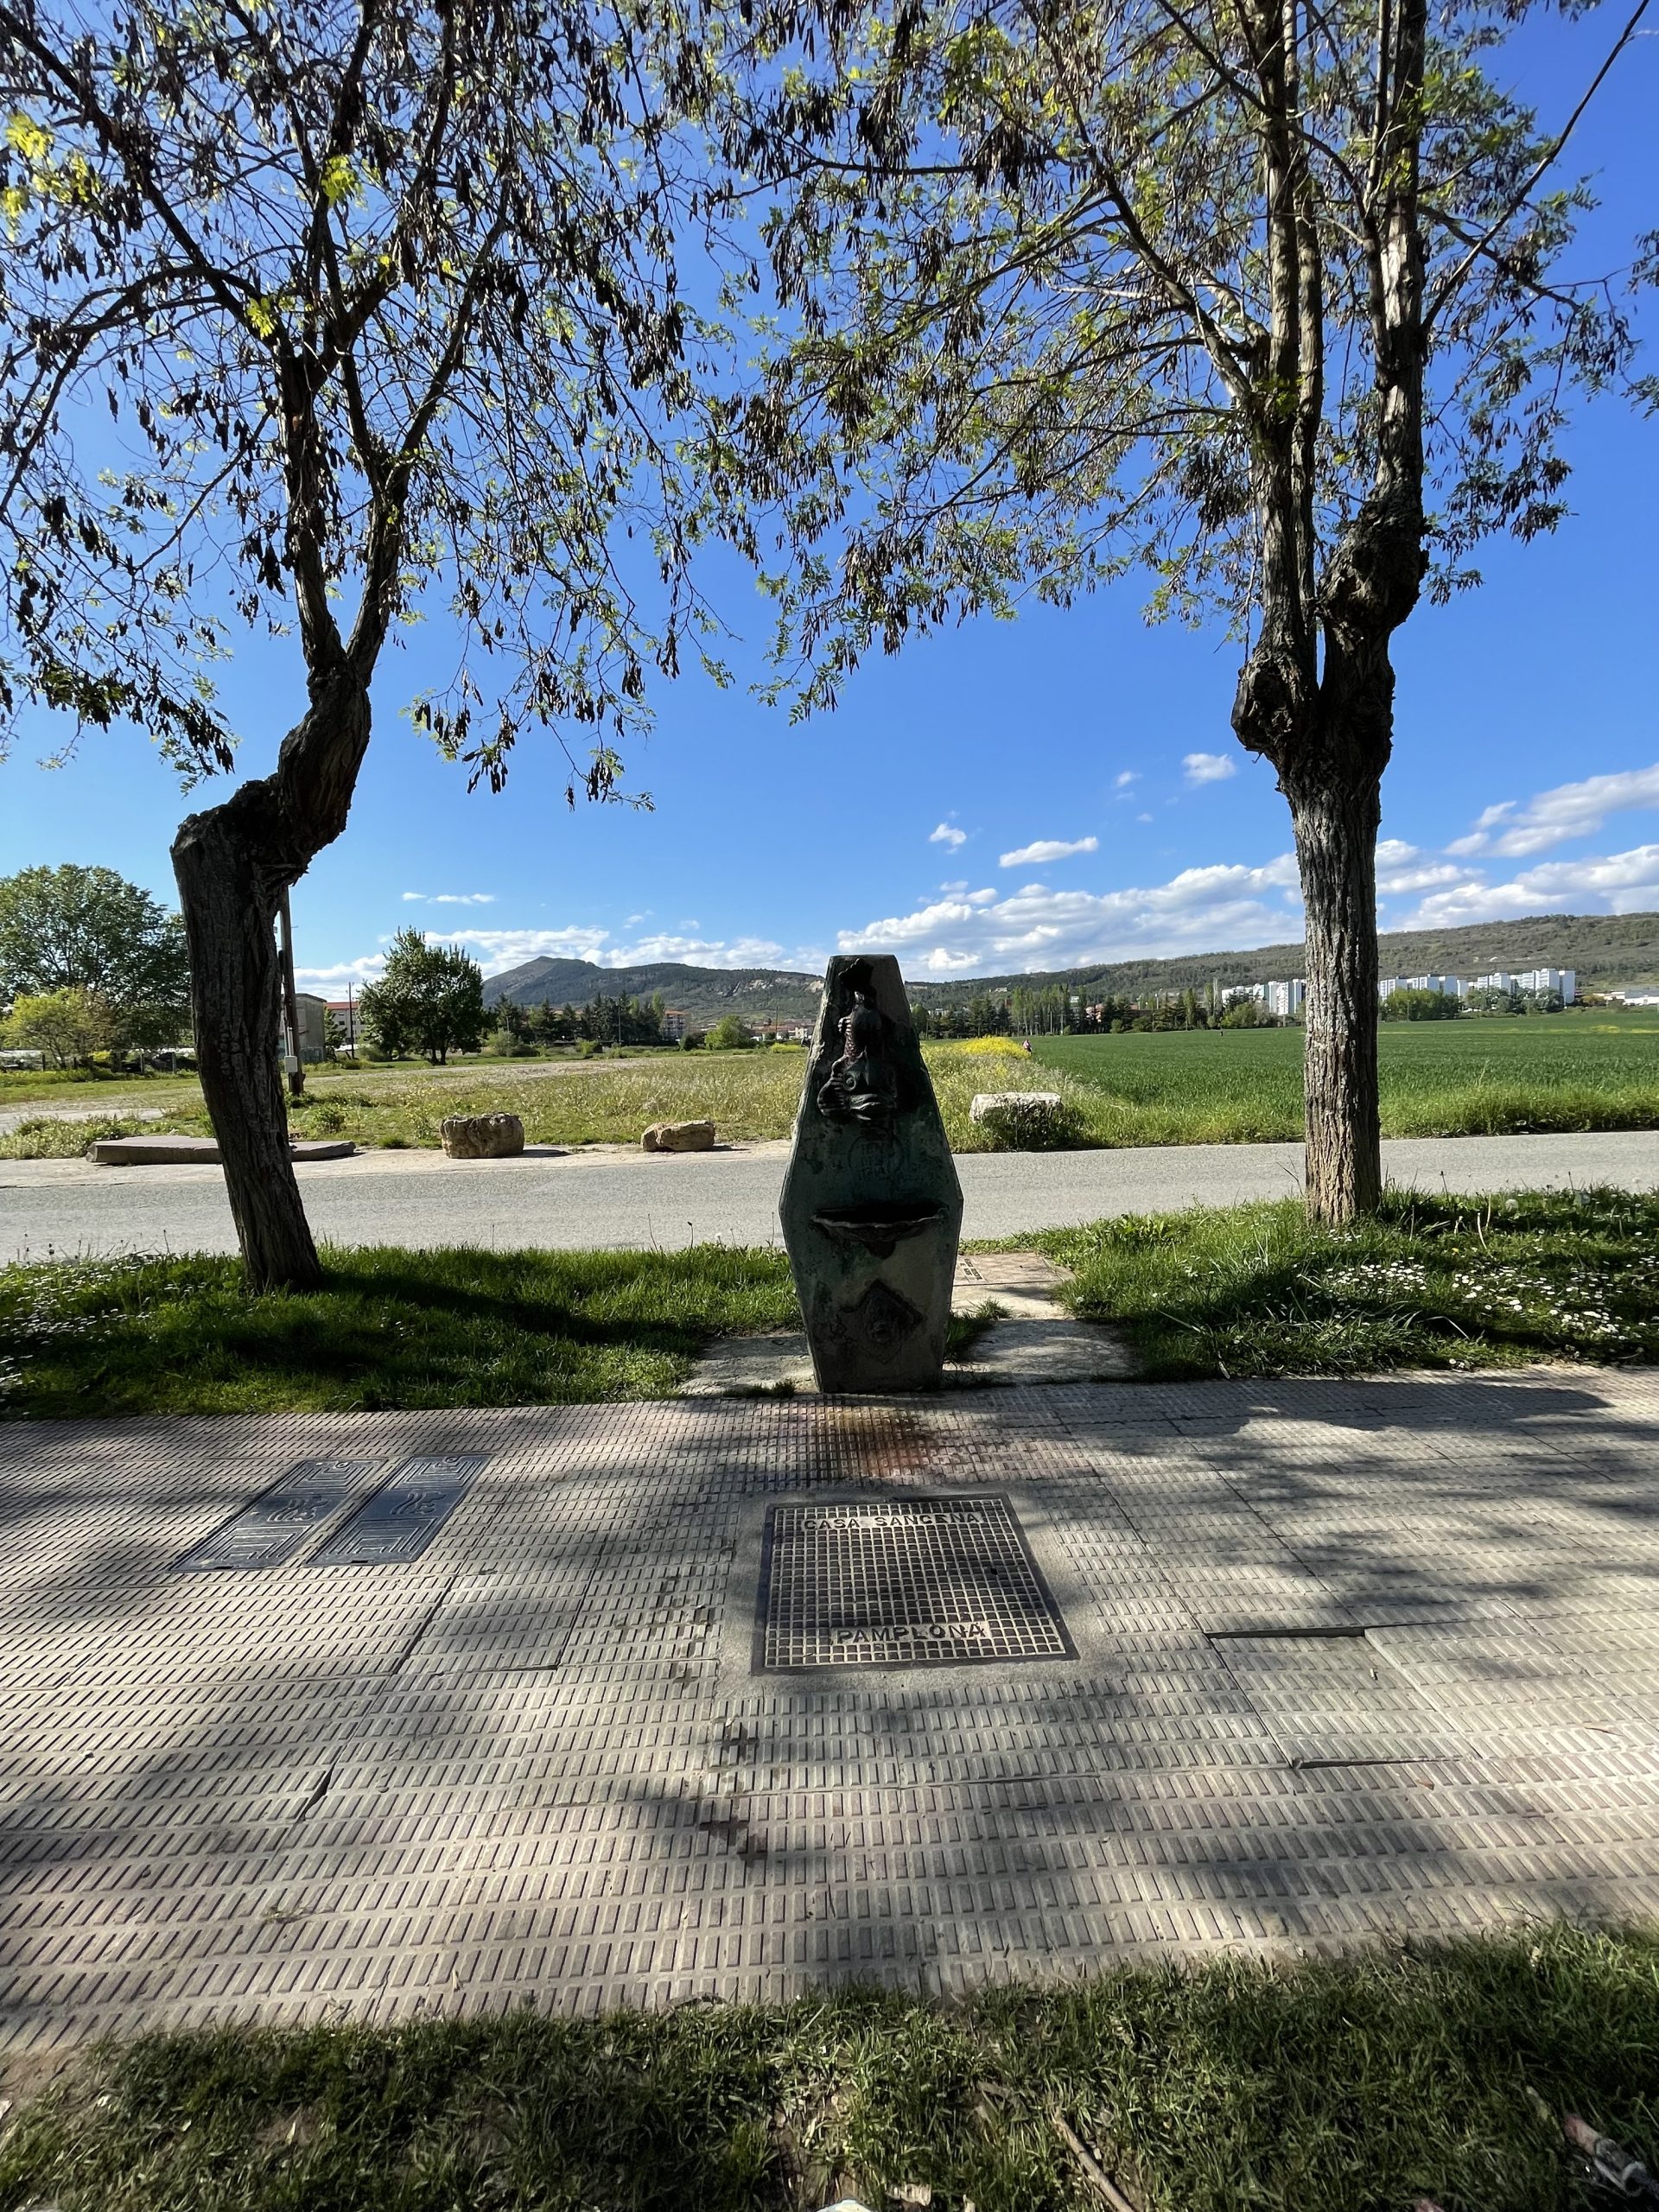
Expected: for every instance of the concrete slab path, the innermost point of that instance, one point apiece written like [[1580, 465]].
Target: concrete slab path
[[1346, 1660], [610, 1196]]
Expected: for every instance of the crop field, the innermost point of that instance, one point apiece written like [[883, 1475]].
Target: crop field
[[1237, 1086], [1438, 1078]]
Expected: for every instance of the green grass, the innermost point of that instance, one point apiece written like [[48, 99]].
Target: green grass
[[45, 1136], [1352, 2085], [1585, 1070], [1431, 1281], [389, 1328]]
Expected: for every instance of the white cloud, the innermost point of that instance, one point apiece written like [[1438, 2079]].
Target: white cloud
[[451, 898], [1209, 767], [330, 982], [1403, 869], [1201, 909], [1048, 848], [948, 834], [1613, 883], [1143, 818], [1553, 817], [1124, 777]]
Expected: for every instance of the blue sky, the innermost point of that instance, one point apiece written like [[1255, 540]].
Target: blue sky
[[1035, 794]]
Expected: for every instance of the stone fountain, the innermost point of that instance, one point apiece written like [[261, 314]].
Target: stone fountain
[[871, 1209]]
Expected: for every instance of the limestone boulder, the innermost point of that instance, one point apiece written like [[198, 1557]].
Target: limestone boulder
[[481, 1136], [679, 1136]]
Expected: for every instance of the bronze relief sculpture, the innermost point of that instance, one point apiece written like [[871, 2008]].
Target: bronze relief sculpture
[[863, 1084]]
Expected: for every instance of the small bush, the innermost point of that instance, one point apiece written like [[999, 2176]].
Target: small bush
[[1033, 1124], [324, 1118]]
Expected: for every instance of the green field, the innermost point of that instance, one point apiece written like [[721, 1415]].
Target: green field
[[1440, 1079]]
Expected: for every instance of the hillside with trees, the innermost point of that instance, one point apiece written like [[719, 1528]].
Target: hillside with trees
[[1610, 951]]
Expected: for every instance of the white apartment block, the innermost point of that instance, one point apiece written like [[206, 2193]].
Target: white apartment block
[[1564, 980], [1284, 1000]]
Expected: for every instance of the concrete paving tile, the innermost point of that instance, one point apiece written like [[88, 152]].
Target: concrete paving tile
[[1352, 1660]]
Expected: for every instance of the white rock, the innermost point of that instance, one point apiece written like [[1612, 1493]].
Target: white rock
[[1014, 1102]]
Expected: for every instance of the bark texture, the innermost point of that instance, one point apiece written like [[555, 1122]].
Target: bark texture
[[233, 863], [1336, 852]]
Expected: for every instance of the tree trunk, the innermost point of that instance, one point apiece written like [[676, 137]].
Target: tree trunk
[[1335, 817], [233, 864], [236, 993]]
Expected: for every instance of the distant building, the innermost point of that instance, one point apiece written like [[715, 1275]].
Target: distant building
[[1285, 999], [675, 1023], [1564, 980], [345, 1018]]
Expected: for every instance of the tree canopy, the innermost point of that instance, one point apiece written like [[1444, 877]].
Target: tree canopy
[[429, 998], [65, 1026], [87, 929], [369, 302], [1063, 283]]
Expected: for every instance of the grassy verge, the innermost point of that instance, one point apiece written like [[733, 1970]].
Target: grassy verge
[[1431, 1281], [389, 1328], [1353, 2086]]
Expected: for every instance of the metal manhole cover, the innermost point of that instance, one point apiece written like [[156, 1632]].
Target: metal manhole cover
[[403, 1515], [902, 1582], [272, 1528]]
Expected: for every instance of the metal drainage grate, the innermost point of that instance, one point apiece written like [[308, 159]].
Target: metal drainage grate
[[902, 1582], [403, 1515], [274, 1527]]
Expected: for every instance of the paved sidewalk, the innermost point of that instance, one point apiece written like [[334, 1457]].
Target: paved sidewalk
[[616, 1196], [1344, 1659]]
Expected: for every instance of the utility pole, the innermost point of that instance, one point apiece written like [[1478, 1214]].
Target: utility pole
[[296, 1065]]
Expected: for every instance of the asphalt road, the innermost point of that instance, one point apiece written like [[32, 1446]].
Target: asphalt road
[[613, 1198]]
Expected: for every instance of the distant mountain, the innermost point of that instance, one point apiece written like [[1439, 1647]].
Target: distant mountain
[[1608, 950], [703, 993]]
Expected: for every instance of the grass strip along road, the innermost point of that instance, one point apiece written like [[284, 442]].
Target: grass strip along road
[[1453, 1079], [1431, 1281], [1359, 2084]]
